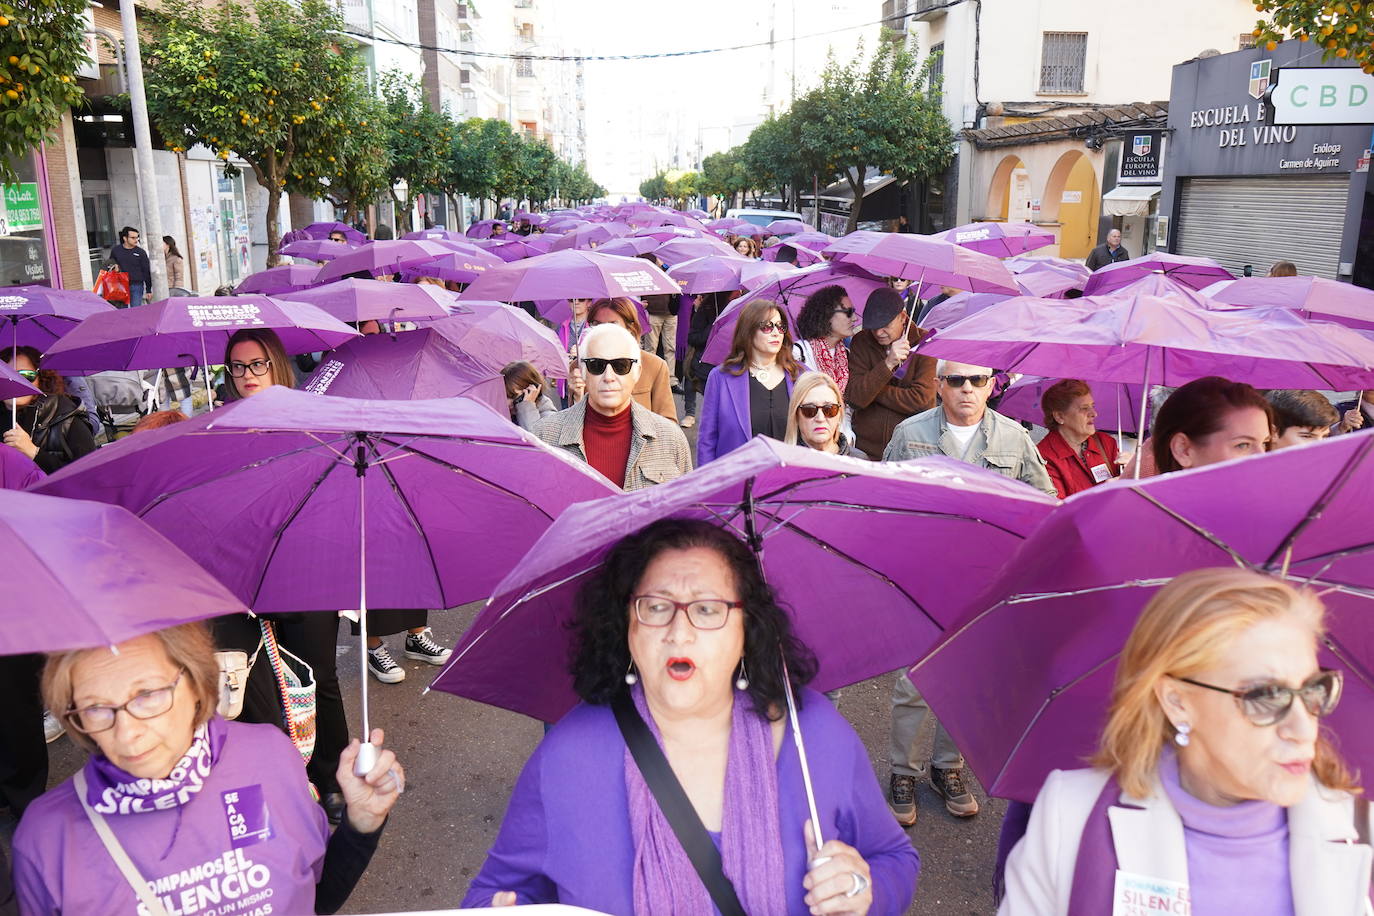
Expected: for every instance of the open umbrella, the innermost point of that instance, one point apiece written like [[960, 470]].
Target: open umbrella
[[957, 308], [749, 230], [1311, 297], [1048, 283], [590, 236], [375, 300], [1193, 272], [512, 250], [1001, 240], [1117, 405], [668, 233], [305, 502], [435, 235], [284, 279], [787, 227], [100, 576], [39, 315], [630, 247], [498, 334], [923, 260], [380, 258], [727, 223], [717, 273], [1024, 682], [14, 385], [677, 250], [571, 275], [483, 227], [322, 231], [457, 267], [315, 249]]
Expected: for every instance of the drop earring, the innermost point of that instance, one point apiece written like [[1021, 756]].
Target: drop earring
[[1181, 734], [630, 677], [742, 682]]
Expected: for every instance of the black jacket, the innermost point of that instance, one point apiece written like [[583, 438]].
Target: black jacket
[[1101, 256], [58, 426], [134, 262]]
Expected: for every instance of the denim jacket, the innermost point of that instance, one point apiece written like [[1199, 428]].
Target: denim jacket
[[1000, 445]]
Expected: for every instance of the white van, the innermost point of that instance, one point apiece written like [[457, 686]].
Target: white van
[[762, 217]]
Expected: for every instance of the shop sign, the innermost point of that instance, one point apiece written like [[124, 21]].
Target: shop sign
[[22, 211], [1320, 95], [1142, 158], [1071, 197]]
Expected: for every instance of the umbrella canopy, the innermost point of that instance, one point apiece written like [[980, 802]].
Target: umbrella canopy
[[1025, 262], [1024, 683], [629, 247], [14, 385], [322, 231], [1117, 405], [380, 258], [922, 259], [99, 575], [513, 250], [590, 236], [571, 275], [1048, 283], [39, 315], [482, 229], [1192, 272], [284, 279], [787, 227], [668, 233], [1311, 297], [458, 267], [434, 235], [748, 230], [831, 533], [718, 273], [799, 255], [558, 311], [266, 494], [496, 335], [790, 292], [957, 308], [677, 250], [1001, 240], [375, 300], [188, 330], [315, 249], [726, 223]]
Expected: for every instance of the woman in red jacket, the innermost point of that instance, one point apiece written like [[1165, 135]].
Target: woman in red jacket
[[1078, 456]]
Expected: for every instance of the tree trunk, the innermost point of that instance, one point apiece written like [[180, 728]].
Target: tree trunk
[[858, 188], [273, 187]]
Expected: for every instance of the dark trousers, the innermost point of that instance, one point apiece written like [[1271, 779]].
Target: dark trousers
[[23, 751]]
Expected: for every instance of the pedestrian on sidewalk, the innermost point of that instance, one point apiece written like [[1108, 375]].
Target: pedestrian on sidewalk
[[133, 260], [1109, 252]]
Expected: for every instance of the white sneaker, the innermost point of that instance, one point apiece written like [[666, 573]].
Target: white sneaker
[[52, 727], [383, 667]]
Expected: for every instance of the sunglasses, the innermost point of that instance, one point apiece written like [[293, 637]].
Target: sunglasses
[[771, 326], [28, 374], [1268, 704], [846, 312], [622, 366], [957, 381], [830, 410]]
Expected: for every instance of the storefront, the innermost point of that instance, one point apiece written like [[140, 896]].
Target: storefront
[[1249, 193], [25, 227]]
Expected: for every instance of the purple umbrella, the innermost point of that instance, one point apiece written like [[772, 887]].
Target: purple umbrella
[[1026, 262], [831, 533], [99, 575], [802, 256], [669, 233], [322, 230], [434, 235], [458, 267], [697, 214], [1023, 684], [727, 223], [1193, 272], [629, 247], [787, 227], [957, 308], [482, 229], [378, 258], [558, 311], [305, 502], [14, 385], [718, 273], [584, 237], [375, 300], [1311, 297], [1001, 240], [1048, 283], [315, 249], [497, 335], [923, 260], [748, 230], [790, 292], [513, 250], [675, 251], [1118, 405], [40, 316], [571, 274], [284, 279]]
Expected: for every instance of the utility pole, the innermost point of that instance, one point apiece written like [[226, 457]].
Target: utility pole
[[143, 153]]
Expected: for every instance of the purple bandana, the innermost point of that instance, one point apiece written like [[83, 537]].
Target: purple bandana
[[110, 790]]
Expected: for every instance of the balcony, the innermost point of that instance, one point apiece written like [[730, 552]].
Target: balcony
[[926, 10], [358, 15]]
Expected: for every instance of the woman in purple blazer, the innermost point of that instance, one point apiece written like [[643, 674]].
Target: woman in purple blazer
[[747, 395], [680, 631]]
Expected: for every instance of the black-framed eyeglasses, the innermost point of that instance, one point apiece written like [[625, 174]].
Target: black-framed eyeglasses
[[1267, 704], [28, 374], [258, 367], [622, 366], [767, 326], [705, 614], [957, 381], [146, 704], [830, 410], [846, 311]]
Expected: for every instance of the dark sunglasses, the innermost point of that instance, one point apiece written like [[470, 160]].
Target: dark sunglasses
[[771, 326], [957, 381], [1267, 704], [29, 374], [830, 410], [622, 366], [846, 312]]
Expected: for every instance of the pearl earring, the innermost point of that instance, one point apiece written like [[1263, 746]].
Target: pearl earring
[[630, 677], [742, 682], [1181, 735]]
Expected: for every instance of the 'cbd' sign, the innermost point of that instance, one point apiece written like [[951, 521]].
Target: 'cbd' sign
[[1320, 95]]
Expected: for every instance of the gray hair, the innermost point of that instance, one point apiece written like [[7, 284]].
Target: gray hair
[[606, 330]]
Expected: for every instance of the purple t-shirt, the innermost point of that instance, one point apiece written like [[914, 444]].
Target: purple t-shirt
[[250, 843]]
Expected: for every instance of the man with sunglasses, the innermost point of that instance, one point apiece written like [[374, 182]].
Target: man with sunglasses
[[629, 444]]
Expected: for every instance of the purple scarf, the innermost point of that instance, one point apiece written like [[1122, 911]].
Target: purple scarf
[[110, 790], [750, 839]]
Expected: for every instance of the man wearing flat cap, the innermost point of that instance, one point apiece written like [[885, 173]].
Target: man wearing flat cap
[[888, 381]]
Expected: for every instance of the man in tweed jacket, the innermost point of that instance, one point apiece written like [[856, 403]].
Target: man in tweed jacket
[[629, 444]]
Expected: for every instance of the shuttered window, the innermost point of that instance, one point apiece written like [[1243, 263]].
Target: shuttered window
[[1258, 221], [1063, 60]]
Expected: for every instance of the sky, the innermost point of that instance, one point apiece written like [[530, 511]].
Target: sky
[[643, 115]]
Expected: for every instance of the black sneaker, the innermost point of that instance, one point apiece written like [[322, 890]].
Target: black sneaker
[[949, 785], [903, 805], [421, 648], [383, 667]]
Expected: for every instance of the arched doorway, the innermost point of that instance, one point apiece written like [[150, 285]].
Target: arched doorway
[[1072, 200], [1009, 192]]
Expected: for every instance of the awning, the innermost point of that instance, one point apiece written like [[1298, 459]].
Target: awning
[[1129, 200]]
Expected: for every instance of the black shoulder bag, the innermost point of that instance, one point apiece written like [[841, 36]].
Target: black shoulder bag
[[676, 807]]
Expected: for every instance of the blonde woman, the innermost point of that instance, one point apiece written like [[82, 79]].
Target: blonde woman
[[1214, 782], [815, 415]]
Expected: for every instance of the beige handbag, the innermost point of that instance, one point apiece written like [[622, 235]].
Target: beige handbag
[[233, 680]]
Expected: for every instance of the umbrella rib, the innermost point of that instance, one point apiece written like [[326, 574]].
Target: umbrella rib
[[1201, 532], [414, 520], [467, 473], [252, 466], [1338, 649], [1322, 502]]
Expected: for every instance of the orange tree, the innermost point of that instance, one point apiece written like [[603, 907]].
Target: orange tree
[[268, 83], [418, 139], [1343, 30], [41, 46], [353, 166]]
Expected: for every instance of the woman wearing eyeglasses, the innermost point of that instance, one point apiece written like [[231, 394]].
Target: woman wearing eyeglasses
[[824, 323], [1215, 786], [815, 416], [678, 642], [748, 394], [49, 429], [255, 360], [204, 809]]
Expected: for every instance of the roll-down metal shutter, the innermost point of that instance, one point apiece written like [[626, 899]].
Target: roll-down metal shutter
[[1258, 221]]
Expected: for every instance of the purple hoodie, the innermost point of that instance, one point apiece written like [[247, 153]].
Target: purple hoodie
[[60, 865]]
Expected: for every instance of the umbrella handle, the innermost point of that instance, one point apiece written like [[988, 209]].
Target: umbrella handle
[[367, 757], [801, 752]]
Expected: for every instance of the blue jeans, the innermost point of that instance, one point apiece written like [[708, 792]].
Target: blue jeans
[[135, 295]]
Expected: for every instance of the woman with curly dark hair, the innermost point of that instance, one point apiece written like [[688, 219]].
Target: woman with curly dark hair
[[679, 632], [825, 321]]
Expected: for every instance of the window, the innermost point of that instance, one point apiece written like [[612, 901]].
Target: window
[[1062, 62], [462, 11], [524, 67], [1247, 41], [464, 77], [937, 67]]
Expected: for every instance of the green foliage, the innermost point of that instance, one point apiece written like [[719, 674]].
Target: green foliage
[[267, 82], [770, 155], [655, 188], [41, 47], [579, 187], [345, 159], [723, 175], [1344, 30], [417, 138]]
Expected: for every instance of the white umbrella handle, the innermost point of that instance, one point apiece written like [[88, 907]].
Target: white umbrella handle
[[367, 752], [801, 752]]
